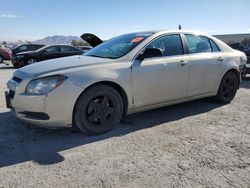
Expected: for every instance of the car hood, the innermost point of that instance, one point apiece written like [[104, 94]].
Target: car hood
[[91, 39], [59, 64]]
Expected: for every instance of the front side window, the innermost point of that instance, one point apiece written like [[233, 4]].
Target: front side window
[[170, 45], [198, 44], [118, 46]]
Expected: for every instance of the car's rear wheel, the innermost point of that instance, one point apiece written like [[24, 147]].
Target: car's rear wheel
[[30, 61], [228, 88], [1, 59], [98, 110]]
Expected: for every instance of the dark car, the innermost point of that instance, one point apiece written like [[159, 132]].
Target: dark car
[[84, 48], [246, 50], [237, 46], [5, 54], [45, 53], [26, 47]]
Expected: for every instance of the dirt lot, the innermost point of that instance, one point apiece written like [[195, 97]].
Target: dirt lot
[[196, 144]]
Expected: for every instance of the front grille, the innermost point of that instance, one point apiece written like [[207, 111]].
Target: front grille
[[11, 94], [16, 79]]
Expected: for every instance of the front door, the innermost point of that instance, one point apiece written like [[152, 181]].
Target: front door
[[50, 53], [160, 79]]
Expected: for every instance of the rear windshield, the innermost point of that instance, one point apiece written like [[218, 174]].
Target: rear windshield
[[118, 46]]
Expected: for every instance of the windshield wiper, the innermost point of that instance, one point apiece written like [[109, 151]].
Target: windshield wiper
[[92, 55]]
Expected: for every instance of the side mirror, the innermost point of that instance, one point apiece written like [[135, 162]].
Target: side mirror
[[150, 52]]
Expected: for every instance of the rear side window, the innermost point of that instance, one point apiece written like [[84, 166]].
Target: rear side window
[[169, 44], [215, 48], [33, 47], [52, 49], [198, 44], [67, 49]]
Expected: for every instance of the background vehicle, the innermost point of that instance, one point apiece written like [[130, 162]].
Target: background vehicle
[[127, 74], [5, 54], [26, 47], [84, 48], [45, 53]]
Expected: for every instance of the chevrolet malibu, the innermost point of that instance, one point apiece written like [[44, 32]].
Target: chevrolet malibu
[[126, 74]]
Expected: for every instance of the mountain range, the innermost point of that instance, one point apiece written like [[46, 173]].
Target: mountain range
[[57, 39]]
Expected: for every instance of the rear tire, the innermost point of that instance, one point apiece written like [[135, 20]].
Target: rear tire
[[98, 110], [228, 88], [1, 59]]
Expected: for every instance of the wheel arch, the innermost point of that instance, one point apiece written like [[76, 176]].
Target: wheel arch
[[112, 84], [236, 72]]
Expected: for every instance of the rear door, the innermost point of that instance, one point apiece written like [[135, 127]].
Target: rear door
[[161, 79], [69, 51], [205, 60]]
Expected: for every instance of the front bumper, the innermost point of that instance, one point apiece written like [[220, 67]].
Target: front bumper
[[52, 110]]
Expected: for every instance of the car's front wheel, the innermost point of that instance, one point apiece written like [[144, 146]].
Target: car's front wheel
[[98, 110], [30, 61], [228, 88]]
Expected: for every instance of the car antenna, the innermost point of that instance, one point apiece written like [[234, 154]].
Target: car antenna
[[179, 27]]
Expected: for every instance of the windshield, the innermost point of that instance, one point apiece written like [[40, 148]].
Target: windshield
[[118, 46]]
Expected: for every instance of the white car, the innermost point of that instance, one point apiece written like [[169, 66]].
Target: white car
[[126, 74]]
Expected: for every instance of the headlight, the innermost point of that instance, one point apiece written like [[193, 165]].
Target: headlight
[[44, 85]]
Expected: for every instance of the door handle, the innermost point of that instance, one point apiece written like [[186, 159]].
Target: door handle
[[183, 63], [220, 59]]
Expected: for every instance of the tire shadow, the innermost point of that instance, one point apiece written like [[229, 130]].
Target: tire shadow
[[20, 142]]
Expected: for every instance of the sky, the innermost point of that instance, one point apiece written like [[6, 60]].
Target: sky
[[35, 19]]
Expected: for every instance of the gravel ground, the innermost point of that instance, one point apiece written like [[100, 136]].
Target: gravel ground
[[195, 144]]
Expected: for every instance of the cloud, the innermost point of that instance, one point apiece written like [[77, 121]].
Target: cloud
[[248, 29], [9, 16]]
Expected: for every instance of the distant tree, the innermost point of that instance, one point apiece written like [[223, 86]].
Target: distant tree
[[82, 43], [74, 43], [4, 43]]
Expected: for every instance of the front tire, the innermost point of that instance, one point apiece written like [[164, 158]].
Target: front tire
[[30, 61], [98, 110], [228, 88]]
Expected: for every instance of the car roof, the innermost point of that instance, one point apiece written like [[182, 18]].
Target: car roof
[[51, 45], [173, 31], [58, 45]]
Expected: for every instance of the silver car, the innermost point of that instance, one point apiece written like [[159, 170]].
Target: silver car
[[126, 74]]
